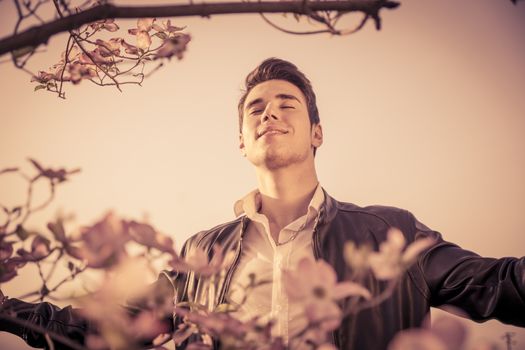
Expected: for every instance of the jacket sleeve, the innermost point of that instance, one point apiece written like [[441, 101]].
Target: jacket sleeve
[[484, 288], [68, 323]]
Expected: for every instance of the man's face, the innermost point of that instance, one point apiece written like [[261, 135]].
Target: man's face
[[276, 130]]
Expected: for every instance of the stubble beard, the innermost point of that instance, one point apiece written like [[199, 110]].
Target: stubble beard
[[274, 158]]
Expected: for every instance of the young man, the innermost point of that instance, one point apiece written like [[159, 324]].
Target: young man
[[290, 217]]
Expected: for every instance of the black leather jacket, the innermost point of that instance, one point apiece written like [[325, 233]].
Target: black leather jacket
[[445, 274]]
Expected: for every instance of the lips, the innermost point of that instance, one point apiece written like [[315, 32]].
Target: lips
[[271, 130]]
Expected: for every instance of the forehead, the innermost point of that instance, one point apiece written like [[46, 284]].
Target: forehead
[[271, 88]]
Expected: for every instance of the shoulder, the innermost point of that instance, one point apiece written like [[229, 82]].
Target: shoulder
[[376, 220], [382, 214]]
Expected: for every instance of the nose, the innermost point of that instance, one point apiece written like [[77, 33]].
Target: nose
[[268, 113]]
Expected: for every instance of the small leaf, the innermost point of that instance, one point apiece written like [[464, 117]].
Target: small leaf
[[40, 87]]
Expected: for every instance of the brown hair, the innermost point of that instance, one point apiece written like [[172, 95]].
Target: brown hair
[[275, 68]]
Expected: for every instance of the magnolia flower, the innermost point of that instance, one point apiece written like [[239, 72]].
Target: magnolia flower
[[197, 261], [118, 328], [107, 24], [174, 46], [316, 280], [130, 49], [166, 27], [314, 284], [144, 25], [102, 245], [147, 236], [233, 333], [109, 48], [392, 258], [417, 339], [357, 257], [78, 71], [40, 249], [43, 77], [444, 332]]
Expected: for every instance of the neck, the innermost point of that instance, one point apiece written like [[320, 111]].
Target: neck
[[286, 193]]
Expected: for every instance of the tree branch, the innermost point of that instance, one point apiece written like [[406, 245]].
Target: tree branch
[[35, 36]]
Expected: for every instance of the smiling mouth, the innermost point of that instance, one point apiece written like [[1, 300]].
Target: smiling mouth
[[272, 132]]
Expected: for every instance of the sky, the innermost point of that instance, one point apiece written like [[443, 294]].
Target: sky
[[427, 114]]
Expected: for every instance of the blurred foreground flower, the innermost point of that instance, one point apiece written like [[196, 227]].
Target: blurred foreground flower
[[102, 244], [119, 328], [314, 284], [198, 262], [392, 259], [446, 333]]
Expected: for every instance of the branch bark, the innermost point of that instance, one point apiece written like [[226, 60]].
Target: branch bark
[[40, 34]]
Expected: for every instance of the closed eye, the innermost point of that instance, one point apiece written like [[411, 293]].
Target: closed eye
[[287, 107], [256, 111]]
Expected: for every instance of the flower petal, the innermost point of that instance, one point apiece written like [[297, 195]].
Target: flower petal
[[413, 250], [143, 40]]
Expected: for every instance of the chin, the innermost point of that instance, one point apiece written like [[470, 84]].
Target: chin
[[279, 160]]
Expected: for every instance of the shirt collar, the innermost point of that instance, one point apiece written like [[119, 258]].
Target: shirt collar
[[251, 203]]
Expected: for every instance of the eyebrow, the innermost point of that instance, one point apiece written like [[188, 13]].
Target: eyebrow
[[279, 96]]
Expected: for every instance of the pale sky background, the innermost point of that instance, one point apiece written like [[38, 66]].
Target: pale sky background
[[427, 114]]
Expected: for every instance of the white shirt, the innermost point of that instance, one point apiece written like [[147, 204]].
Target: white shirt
[[266, 260]]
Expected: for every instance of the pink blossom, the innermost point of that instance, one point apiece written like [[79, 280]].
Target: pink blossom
[[314, 284], [130, 49], [78, 71], [102, 245], [144, 25], [174, 46], [229, 329], [166, 27], [392, 258], [119, 328], [109, 48], [143, 40], [451, 331], [107, 24], [43, 77], [40, 249], [147, 236], [197, 261], [417, 339], [317, 281]]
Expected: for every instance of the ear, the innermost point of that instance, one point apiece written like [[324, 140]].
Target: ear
[[317, 135], [241, 145]]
